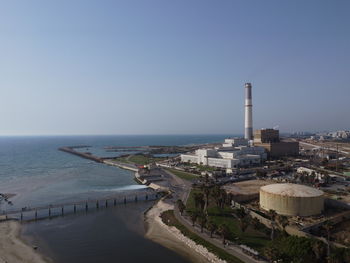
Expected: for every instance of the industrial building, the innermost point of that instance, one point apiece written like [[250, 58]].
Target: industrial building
[[292, 199], [233, 153], [270, 140]]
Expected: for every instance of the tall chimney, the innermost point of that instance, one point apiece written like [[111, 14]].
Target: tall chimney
[[248, 127]]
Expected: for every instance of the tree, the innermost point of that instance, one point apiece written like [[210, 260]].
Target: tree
[[216, 192], [212, 227], [194, 216], [242, 218], [326, 178], [272, 214], [328, 226], [272, 253], [283, 222], [202, 221], [255, 223], [206, 191], [260, 174], [181, 206], [319, 250], [337, 256], [224, 232], [199, 201], [294, 248], [243, 224]]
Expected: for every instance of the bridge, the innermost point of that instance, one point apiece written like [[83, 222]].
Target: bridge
[[61, 209]]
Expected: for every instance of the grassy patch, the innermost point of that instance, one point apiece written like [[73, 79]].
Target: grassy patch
[[123, 159], [139, 159], [251, 237], [169, 219], [183, 175]]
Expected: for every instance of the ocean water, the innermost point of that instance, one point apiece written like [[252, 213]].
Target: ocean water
[[39, 174]]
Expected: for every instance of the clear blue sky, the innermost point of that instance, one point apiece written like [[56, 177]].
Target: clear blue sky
[[169, 67]]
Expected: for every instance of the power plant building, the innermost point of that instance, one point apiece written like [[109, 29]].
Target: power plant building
[[232, 154], [292, 199], [270, 140]]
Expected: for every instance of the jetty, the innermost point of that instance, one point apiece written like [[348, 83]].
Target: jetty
[[86, 155]]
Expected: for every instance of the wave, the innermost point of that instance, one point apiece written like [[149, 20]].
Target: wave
[[123, 188]]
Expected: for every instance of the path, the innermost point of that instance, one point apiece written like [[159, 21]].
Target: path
[[185, 188]]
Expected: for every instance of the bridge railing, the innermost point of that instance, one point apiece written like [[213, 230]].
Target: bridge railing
[[54, 210]]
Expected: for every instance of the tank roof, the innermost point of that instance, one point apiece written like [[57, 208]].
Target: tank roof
[[296, 190]]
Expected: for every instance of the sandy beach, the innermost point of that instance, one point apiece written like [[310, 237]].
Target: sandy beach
[[13, 249], [172, 238]]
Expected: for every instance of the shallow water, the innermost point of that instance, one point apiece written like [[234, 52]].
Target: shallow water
[[110, 235], [39, 174]]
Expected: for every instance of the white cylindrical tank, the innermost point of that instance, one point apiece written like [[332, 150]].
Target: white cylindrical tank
[[292, 199]]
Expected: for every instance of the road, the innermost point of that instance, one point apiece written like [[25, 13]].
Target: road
[[181, 189]]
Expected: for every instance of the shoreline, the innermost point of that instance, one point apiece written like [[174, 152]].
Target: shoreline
[[13, 249], [172, 238]]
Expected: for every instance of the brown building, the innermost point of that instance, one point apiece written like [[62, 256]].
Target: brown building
[[266, 136], [270, 140]]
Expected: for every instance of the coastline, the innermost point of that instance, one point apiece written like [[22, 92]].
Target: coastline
[[13, 249], [172, 238]]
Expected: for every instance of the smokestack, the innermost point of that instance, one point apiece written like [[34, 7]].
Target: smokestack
[[248, 127]]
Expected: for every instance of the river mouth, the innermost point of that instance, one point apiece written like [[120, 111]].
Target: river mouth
[[110, 235]]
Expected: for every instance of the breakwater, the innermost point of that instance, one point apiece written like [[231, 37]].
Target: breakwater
[[86, 155]]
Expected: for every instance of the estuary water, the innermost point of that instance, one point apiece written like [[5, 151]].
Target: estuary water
[[37, 173]]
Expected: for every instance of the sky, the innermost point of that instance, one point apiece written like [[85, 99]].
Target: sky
[[74, 67]]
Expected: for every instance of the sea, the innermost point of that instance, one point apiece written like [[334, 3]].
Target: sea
[[37, 173]]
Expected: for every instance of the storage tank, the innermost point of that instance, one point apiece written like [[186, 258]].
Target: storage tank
[[292, 199]]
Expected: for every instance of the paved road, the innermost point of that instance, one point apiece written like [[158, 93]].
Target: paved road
[[182, 188]]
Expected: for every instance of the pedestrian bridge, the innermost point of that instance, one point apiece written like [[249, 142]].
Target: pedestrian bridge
[[60, 209]]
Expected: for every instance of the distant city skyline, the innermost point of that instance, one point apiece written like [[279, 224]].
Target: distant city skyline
[[173, 67]]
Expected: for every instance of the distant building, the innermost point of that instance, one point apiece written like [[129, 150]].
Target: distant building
[[270, 140]]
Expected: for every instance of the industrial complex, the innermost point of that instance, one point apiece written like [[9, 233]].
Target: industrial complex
[[248, 151], [285, 186]]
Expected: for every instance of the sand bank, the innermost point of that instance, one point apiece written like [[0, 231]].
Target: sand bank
[[172, 238], [13, 249]]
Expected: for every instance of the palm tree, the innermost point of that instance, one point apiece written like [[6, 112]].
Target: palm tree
[[243, 223], [273, 215], [181, 206], [328, 226], [255, 223], [199, 201], [242, 217], [216, 192], [194, 216], [283, 222], [206, 192], [212, 227], [202, 221], [225, 232]]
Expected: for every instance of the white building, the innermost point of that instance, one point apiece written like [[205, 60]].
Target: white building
[[232, 154]]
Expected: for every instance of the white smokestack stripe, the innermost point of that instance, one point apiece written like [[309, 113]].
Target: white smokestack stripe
[[248, 125]]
